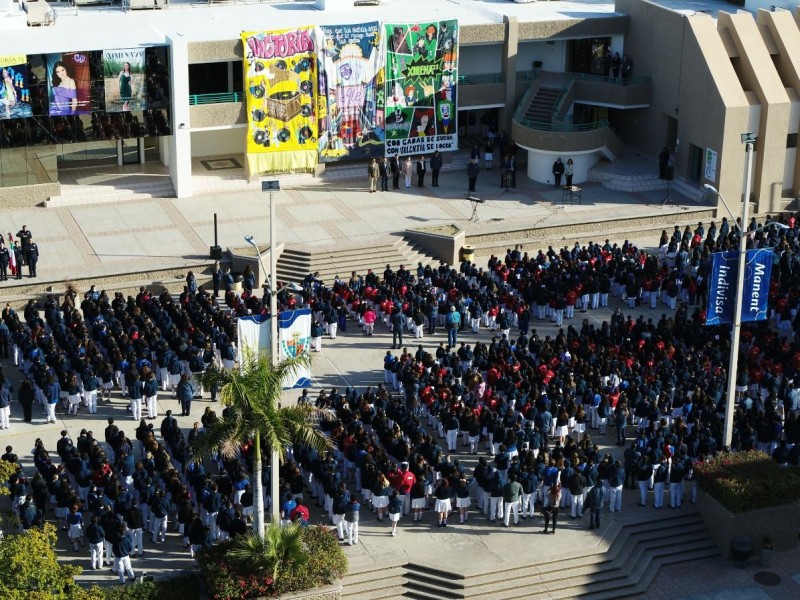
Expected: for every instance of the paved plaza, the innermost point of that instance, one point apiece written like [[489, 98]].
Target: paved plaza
[[105, 238]]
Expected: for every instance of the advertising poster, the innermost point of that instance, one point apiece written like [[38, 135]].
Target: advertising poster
[[711, 165], [124, 80], [280, 73], [350, 94], [294, 335], [15, 99], [421, 76], [69, 84]]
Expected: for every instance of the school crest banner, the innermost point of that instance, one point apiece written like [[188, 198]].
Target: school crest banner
[[755, 288], [280, 74], [350, 92], [294, 335], [421, 91]]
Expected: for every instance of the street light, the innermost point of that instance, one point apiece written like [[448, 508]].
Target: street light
[[271, 186], [733, 365]]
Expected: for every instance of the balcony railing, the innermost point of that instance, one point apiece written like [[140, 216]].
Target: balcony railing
[[563, 127], [197, 99]]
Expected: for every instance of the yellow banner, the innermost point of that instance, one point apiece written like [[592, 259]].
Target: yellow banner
[[280, 74], [10, 60]]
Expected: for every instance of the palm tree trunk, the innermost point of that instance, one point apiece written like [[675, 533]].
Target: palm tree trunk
[[258, 489], [273, 485]]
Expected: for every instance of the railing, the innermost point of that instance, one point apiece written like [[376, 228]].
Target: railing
[[564, 127], [197, 99], [482, 79], [569, 75]]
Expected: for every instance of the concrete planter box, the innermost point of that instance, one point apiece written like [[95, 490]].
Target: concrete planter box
[[443, 242], [329, 592], [242, 256], [781, 523]]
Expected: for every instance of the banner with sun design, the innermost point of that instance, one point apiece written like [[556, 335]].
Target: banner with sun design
[[280, 73], [350, 96], [421, 76]]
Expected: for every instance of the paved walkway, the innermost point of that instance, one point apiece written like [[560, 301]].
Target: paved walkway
[[117, 237], [110, 237]]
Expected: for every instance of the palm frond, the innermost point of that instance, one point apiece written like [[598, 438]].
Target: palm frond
[[226, 436]]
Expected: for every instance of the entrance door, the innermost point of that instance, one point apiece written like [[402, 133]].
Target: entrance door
[[130, 151], [586, 55], [695, 173]]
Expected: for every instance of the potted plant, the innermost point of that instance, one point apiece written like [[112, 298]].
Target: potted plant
[[767, 551]]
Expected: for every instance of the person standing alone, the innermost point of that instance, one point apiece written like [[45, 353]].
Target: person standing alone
[[372, 171], [472, 174], [421, 170], [436, 166]]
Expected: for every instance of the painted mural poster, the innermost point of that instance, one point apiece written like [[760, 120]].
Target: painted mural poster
[[15, 98], [280, 72], [421, 76], [69, 84], [124, 80], [350, 93]]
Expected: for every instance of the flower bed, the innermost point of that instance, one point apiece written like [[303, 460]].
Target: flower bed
[[748, 494], [323, 563], [748, 481]]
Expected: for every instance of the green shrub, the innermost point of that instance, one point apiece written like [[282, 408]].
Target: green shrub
[[316, 561], [747, 481], [180, 587]]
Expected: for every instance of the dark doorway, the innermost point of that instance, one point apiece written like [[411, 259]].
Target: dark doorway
[[695, 163], [586, 55]]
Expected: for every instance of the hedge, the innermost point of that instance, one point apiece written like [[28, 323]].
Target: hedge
[[750, 480]]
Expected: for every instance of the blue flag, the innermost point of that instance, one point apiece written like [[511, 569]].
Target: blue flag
[[722, 286]]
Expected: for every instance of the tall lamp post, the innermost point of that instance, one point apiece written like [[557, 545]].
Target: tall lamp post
[[749, 139], [271, 186]]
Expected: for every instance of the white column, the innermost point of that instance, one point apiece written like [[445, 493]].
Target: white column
[[180, 147]]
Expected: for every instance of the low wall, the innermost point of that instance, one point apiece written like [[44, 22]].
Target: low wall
[[781, 523], [243, 256], [330, 592], [443, 244], [28, 196]]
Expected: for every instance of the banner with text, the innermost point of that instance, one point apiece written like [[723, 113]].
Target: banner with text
[[294, 335], [124, 80], [280, 76], [722, 286], [350, 92], [421, 76], [15, 96]]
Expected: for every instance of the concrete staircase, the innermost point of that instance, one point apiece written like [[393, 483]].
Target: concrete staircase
[[111, 186], [540, 108], [625, 182], [295, 263], [623, 564]]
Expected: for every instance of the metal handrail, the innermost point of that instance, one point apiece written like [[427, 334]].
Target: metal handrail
[[484, 78], [564, 127], [571, 75], [197, 99]]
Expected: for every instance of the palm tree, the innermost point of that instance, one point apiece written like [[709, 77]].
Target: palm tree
[[253, 391], [271, 553]]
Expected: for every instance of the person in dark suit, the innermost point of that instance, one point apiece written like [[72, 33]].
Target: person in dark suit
[[421, 170], [394, 167], [383, 170]]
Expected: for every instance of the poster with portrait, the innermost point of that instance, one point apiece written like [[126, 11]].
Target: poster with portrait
[[15, 97], [421, 75], [124, 80], [68, 84], [280, 75], [350, 91]]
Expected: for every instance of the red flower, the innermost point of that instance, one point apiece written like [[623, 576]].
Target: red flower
[[415, 28]]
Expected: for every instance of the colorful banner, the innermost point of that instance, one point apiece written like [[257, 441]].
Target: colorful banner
[[722, 286], [124, 80], [350, 91], [254, 334], [421, 76], [15, 98], [69, 84], [294, 335], [280, 75]]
